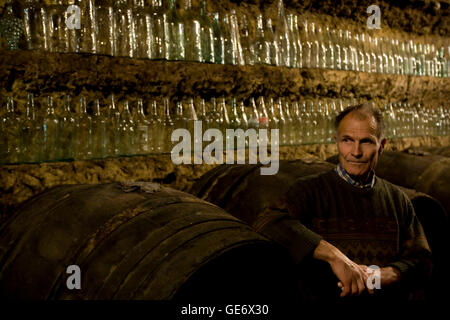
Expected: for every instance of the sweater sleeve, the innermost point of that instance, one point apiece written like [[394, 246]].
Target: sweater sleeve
[[414, 259], [289, 223]]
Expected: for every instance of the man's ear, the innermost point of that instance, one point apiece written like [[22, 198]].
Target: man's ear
[[335, 137], [382, 144]]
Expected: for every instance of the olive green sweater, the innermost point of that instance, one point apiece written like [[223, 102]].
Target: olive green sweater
[[374, 226]]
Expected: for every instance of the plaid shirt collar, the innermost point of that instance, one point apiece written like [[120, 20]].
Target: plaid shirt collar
[[344, 175]]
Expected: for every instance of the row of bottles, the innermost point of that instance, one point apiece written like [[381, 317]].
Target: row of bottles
[[405, 120], [58, 133], [159, 31]]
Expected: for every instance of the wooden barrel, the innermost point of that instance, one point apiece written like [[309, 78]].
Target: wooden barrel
[[423, 151], [135, 241], [429, 174], [243, 192]]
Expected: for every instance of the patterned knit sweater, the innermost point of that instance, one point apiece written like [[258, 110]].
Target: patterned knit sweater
[[372, 226]]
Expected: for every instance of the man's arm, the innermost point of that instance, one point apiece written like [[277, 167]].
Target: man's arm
[[414, 260], [302, 242]]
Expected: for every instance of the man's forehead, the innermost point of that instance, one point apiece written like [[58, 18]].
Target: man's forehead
[[354, 125]]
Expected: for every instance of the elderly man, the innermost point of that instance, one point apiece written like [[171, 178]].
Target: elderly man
[[348, 219]]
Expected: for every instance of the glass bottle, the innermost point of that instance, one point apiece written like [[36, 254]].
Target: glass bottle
[[330, 56], [298, 41], [213, 116], [262, 46], [159, 48], [247, 42], [106, 33], [50, 133], [206, 35], [345, 50], [157, 130], [67, 126], [229, 54], [305, 124], [11, 27], [243, 116], [11, 125], [219, 40], [237, 46], [127, 132], [337, 50], [35, 29], [168, 127], [282, 36], [112, 128], [83, 140], [224, 118], [141, 128], [234, 121], [176, 39], [391, 53], [31, 134], [373, 55], [296, 124], [274, 120], [263, 120], [360, 65], [284, 124], [398, 56], [179, 121], [192, 30], [368, 62], [99, 136], [139, 31], [88, 32], [315, 50], [191, 117], [274, 50], [56, 26], [384, 51]]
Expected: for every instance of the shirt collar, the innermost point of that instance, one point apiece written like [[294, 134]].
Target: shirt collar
[[344, 175]]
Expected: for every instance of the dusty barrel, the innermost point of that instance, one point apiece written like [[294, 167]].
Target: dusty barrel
[[429, 174], [242, 191], [421, 151], [135, 241]]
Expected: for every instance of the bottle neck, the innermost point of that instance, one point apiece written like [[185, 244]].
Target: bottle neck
[[96, 110]]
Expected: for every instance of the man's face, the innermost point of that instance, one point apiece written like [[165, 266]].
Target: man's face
[[358, 145]]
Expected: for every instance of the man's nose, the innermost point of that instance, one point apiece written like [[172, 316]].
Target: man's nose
[[356, 150]]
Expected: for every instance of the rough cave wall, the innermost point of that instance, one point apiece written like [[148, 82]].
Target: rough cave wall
[[98, 76]]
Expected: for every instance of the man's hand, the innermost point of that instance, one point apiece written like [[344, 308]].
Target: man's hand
[[351, 275]]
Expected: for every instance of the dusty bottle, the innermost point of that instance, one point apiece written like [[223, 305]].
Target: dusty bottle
[[112, 129], [127, 134], [31, 134], [98, 132], [141, 128], [50, 133], [67, 126], [83, 141], [10, 132]]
